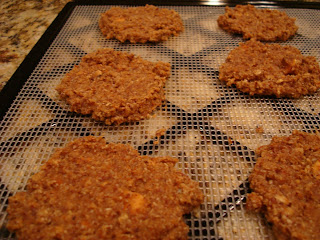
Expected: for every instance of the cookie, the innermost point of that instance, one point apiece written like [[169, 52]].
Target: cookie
[[140, 24], [114, 87], [261, 24], [285, 183], [90, 190], [270, 69]]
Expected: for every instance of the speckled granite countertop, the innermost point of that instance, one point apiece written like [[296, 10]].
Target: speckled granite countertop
[[22, 23]]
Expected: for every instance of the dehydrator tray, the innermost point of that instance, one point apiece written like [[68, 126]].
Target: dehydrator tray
[[212, 129]]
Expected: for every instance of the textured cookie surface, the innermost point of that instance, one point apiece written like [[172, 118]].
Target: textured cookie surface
[[140, 24], [90, 190], [286, 183], [261, 24], [115, 87], [271, 69]]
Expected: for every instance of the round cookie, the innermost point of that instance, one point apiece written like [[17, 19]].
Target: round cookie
[[270, 69], [90, 190], [261, 24], [115, 87], [286, 182], [140, 24]]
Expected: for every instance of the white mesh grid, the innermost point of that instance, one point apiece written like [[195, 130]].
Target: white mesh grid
[[212, 129]]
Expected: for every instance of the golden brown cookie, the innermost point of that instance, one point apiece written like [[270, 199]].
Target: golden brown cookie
[[261, 24], [286, 182], [140, 24], [271, 69], [115, 87], [90, 190]]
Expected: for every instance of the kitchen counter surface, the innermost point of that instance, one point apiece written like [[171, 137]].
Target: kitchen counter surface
[[22, 23]]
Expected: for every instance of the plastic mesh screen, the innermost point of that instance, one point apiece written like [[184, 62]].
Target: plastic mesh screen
[[212, 129]]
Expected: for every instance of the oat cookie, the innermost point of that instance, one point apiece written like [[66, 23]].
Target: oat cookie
[[261, 24], [90, 190], [140, 24], [115, 87], [286, 182], [271, 69]]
